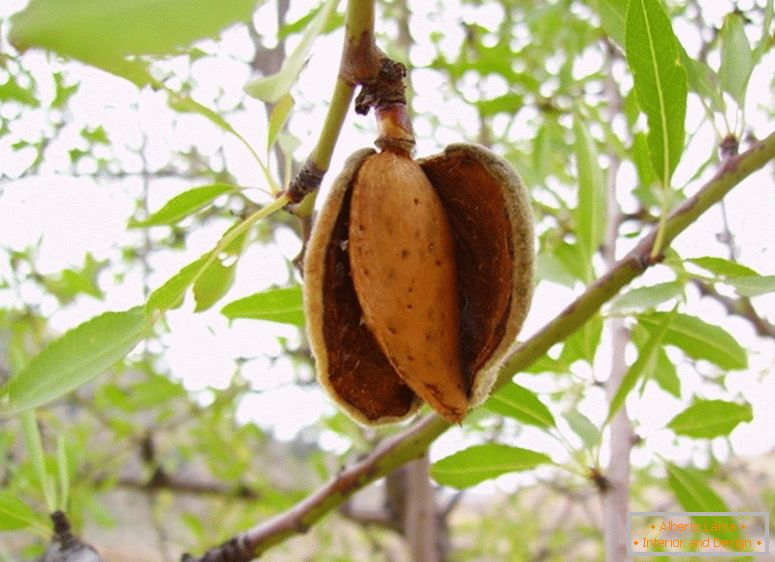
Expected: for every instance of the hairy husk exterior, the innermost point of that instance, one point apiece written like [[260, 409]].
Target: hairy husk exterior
[[489, 215]]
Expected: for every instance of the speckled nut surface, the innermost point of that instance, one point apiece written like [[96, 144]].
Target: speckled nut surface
[[418, 276]]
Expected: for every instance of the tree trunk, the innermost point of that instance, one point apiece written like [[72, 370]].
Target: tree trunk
[[419, 522]]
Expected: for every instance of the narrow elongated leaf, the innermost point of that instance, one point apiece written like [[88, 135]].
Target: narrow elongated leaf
[[272, 88], [664, 371], [736, 58], [753, 286], [710, 418], [591, 212], [186, 104], [482, 462], [702, 80], [15, 514], [94, 30], [583, 427], [613, 16], [214, 282], [283, 305], [660, 82], [218, 277], [184, 205], [280, 113], [646, 174], [518, 402], [582, 345], [765, 42], [699, 340], [644, 298], [645, 362], [722, 267], [573, 260], [549, 268], [75, 358], [666, 375], [692, 492], [170, 295], [34, 445]]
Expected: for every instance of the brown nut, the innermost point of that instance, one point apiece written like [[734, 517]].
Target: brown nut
[[418, 276]]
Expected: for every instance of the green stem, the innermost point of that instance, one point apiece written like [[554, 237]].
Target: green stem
[[38, 459], [359, 62], [337, 112]]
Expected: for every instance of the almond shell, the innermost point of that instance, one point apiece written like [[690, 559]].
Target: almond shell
[[491, 220]]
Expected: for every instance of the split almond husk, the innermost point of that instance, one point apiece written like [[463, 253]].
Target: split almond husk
[[418, 276]]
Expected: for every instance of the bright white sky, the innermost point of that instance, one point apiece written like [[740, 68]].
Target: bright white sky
[[73, 215]]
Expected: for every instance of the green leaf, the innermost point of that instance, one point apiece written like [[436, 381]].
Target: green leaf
[[184, 204], [591, 211], [283, 305], [549, 268], [482, 462], [765, 42], [272, 88], [12, 91], [583, 427], [72, 282], [644, 298], [171, 294], [646, 174], [710, 418], [699, 340], [518, 402], [63, 92], [660, 82], [186, 104], [34, 445], [15, 514], [509, 103], [753, 286], [95, 135], [722, 267], [582, 345], [666, 375], [573, 260], [217, 278], [99, 32], [692, 492], [214, 282], [75, 358], [702, 80], [736, 58], [63, 471], [280, 113], [613, 16], [645, 363], [664, 371]]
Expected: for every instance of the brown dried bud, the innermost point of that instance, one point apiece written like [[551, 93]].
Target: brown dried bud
[[418, 276]]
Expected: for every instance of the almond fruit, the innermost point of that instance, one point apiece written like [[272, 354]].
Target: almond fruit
[[418, 276]]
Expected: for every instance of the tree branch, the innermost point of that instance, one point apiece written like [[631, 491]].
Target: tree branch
[[738, 307], [403, 447]]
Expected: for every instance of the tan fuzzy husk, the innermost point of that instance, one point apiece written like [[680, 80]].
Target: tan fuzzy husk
[[489, 214]]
